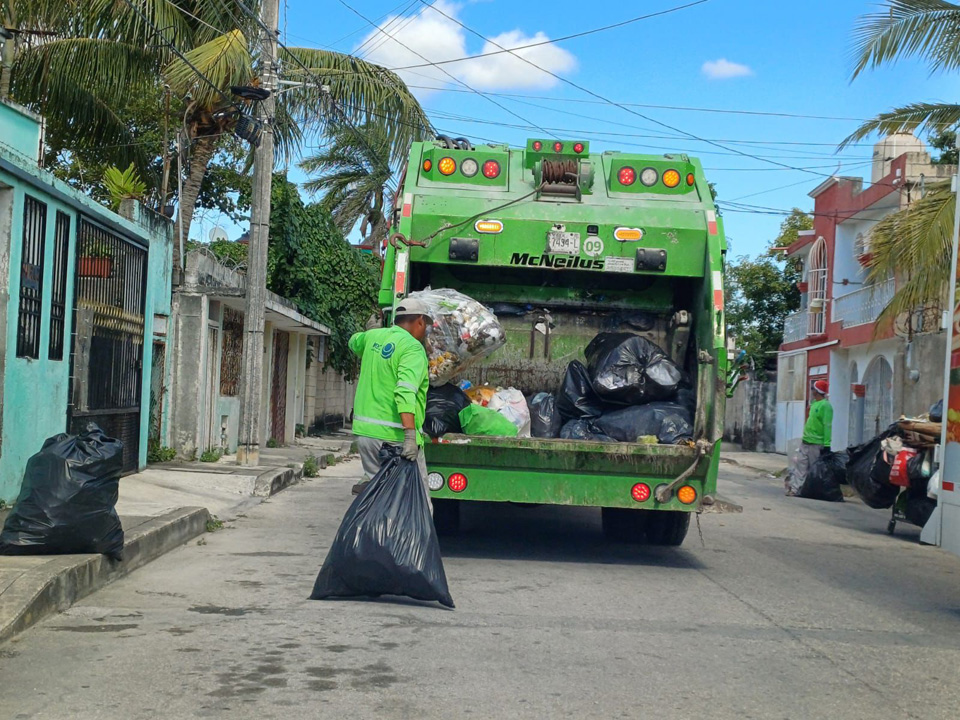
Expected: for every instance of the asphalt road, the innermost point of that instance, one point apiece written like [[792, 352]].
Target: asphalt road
[[795, 609]]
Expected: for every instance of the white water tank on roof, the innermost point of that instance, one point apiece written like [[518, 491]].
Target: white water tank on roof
[[890, 148]]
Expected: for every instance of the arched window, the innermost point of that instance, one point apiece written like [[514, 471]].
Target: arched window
[[817, 281]]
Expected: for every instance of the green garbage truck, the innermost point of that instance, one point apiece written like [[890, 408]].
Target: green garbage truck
[[571, 243]]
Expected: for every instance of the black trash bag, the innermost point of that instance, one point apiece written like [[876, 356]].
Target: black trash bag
[[545, 420], [687, 398], [576, 398], [825, 477], [917, 474], [868, 473], [67, 502], [630, 370], [936, 411], [918, 507], [442, 415], [583, 430], [386, 544], [671, 423]]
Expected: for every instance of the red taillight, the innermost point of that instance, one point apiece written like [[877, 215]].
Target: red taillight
[[627, 176], [578, 148], [690, 179], [558, 147], [491, 169], [457, 482], [640, 492], [537, 145]]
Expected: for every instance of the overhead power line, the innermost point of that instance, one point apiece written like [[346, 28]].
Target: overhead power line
[[541, 43]]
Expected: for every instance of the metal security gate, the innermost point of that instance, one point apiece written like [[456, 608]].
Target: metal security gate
[[878, 403], [278, 394], [107, 360]]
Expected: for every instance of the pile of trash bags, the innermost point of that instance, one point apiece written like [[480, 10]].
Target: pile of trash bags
[[67, 502], [629, 391], [824, 479], [463, 332], [387, 543]]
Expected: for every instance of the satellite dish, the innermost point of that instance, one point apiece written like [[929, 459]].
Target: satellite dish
[[218, 234]]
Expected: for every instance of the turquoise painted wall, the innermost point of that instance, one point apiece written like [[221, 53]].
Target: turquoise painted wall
[[35, 391], [21, 130]]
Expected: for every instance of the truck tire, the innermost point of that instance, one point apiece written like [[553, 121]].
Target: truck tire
[[666, 527], [622, 525], [446, 516]]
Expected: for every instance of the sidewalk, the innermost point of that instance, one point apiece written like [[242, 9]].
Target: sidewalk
[[161, 508], [770, 463]]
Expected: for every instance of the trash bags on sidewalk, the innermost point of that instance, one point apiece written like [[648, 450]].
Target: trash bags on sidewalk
[[442, 415], [824, 478], [545, 420], [630, 370], [68, 499], [868, 472], [386, 544]]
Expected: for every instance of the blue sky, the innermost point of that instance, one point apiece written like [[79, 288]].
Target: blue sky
[[753, 55]]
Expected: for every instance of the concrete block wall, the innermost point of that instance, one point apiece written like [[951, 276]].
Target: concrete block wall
[[751, 416]]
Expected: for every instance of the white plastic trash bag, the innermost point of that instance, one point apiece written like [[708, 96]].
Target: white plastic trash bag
[[510, 403], [463, 332]]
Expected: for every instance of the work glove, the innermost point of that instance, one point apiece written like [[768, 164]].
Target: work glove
[[410, 448]]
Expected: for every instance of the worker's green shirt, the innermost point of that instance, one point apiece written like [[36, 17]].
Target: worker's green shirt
[[819, 427], [393, 380]]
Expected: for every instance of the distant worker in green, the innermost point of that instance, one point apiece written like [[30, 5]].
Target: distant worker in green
[[391, 397], [817, 436]]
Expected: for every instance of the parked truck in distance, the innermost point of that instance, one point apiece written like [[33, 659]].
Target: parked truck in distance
[[586, 243]]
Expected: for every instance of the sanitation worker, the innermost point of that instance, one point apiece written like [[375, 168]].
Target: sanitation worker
[[817, 434], [392, 389]]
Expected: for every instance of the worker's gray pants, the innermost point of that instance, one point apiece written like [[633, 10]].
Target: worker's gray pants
[[370, 457], [806, 456]]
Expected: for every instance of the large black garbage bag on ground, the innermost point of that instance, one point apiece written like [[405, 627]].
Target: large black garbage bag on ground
[[630, 370], [583, 430], [918, 507], [869, 474], [386, 544], [825, 477], [576, 398], [545, 420], [669, 422], [442, 415], [68, 500]]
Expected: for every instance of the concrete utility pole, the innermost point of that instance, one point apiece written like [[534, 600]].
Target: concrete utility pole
[[251, 380]]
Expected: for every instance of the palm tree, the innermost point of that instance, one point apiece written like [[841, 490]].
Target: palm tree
[[914, 243], [355, 176], [95, 54]]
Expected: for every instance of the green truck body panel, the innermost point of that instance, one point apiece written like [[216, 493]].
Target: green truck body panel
[[673, 271]]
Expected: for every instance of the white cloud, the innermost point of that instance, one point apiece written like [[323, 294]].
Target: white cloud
[[723, 69], [437, 38]]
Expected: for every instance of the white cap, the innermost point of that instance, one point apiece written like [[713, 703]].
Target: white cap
[[412, 306]]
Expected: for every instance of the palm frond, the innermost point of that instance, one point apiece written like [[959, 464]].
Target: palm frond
[[909, 118], [915, 246], [224, 61], [929, 29]]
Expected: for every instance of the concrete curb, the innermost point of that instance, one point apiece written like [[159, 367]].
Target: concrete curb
[[272, 481], [63, 580]]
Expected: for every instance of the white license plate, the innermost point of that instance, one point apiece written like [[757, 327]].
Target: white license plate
[[565, 243]]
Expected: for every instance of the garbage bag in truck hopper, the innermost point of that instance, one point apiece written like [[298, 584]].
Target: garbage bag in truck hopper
[[576, 398], [669, 422], [583, 430], [545, 420], [444, 404], [630, 370], [478, 420], [511, 403]]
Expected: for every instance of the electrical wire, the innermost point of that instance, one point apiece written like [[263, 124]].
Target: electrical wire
[[541, 43]]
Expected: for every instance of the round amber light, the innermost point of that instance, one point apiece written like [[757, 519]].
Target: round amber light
[[671, 178], [447, 166], [686, 494], [427, 165]]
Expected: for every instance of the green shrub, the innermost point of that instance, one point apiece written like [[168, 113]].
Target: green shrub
[[272, 443], [160, 453], [211, 456], [311, 466]]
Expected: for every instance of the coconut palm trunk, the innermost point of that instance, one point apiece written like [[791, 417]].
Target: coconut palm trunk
[[201, 153]]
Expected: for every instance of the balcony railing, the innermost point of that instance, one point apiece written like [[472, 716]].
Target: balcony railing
[[795, 326], [863, 306]]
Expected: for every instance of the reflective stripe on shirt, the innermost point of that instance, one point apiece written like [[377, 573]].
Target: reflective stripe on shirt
[[386, 423], [409, 386]]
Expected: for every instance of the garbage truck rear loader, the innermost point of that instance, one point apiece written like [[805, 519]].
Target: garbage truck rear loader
[[565, 244]]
